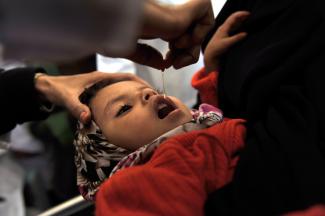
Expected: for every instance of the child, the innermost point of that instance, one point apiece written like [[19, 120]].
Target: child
[[174, 156]]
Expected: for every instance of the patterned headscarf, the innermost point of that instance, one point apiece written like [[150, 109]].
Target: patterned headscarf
[[96, 159]]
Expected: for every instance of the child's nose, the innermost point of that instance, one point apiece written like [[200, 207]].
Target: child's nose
[[147, 93]]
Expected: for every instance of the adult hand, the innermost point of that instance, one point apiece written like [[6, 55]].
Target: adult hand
[[196, 20], [65, 90], [182, 26], [222, 39]]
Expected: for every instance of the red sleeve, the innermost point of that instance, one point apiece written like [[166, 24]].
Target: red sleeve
[[178, 177], [206, 84]]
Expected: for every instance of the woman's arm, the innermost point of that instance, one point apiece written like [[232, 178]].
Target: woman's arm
[[23, 95], [19, 99]]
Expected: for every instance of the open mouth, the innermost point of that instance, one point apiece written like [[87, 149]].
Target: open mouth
[[164, 107]]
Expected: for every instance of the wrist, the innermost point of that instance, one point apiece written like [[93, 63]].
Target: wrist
[[41, 84], [211, 64]]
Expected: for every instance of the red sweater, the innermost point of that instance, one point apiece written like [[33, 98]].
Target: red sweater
[[181, 172]]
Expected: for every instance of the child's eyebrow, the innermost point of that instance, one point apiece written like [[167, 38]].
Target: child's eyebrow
[[118, 98]]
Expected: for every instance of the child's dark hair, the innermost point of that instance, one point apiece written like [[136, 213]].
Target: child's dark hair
[[90, 92]]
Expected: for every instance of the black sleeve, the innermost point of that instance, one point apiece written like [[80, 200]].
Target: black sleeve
[[275, 79], [18, 97]]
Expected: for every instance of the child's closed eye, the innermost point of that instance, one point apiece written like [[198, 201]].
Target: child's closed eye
[[123, 109]]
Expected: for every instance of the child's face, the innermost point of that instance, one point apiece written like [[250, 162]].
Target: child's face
[[132, 114]]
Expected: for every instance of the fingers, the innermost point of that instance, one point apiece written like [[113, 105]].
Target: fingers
[[78, 110], [182, 57], [217, 47], [147, 55], [85, 117], [203, 28], [222, 39], [185, 49], [196, 33], [233, 22], [183, 42], [235, 39]]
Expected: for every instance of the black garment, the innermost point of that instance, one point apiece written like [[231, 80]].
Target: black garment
[[275, 79], [19, 101]]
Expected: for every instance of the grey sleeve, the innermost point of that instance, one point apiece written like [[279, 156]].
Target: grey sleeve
[[54, 30]]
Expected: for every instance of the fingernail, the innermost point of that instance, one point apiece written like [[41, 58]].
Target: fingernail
[[83, 115]]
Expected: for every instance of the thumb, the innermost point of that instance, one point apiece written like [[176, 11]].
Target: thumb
[[85, 116], [182, 57], [147, 55], [79, 111]]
